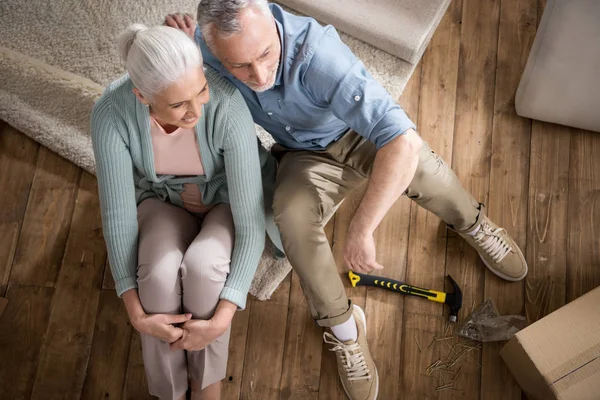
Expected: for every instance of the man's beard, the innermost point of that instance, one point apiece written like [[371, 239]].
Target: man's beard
[[269, 85]]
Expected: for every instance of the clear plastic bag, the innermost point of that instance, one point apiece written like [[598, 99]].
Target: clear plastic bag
[[485, 324]]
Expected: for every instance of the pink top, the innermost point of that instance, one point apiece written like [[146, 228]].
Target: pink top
[[177, 153]]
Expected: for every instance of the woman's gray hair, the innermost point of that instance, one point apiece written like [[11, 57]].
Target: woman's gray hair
[[224, 15], [157, 57]]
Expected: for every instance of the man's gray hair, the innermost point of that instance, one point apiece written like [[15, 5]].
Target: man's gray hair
[[157, 57], [224, 15]]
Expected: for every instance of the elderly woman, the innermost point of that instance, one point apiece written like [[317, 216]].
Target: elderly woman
[[180, 180]]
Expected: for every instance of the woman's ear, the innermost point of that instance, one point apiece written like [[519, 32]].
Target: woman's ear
[[140, 97]]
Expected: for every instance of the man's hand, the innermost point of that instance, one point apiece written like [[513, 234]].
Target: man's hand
[[182, 22], [360, 253], [197, 334], [393, 169], [161, 326]]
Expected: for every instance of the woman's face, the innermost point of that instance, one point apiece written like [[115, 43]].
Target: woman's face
[[180, 104]]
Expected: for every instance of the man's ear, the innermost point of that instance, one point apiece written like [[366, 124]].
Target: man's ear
[[140, 97]]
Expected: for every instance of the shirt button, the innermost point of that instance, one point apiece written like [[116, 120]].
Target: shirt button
[[357, 98], [269, 113], [288, 128]]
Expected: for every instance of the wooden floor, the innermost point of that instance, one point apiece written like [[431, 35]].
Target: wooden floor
[[65, 335]]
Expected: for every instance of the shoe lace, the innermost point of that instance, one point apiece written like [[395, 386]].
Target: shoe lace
[[493, 242], [353, 359]]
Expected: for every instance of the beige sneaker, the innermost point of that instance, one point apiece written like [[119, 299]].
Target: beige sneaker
[[498, 250], [355, 365]]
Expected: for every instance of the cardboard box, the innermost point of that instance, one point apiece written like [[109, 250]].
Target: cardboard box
[[558, 357]]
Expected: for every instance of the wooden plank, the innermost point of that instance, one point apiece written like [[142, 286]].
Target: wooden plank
[[302, 353], [238, 337], [265, 345], [65, 353], [384, 309], [427, 243], [136, 385], [47, 220], [471, 153], [330, 386], [18, 156], [509, 178], [9, 237], [419, 353], [545, 286], [303, 345], [107, 368], [583, 250], [22, 329], [3, 304], [107, 281]]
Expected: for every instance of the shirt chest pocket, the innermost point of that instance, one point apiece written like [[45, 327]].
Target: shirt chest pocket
[[302, 116]]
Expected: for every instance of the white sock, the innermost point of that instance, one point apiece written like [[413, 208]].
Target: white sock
[[346, 331], [474, 231]]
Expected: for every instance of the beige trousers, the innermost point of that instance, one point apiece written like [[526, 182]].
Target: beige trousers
[[183, 261], [310, 185]]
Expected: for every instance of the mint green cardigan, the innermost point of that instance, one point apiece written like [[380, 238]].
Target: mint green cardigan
[[235, 167]]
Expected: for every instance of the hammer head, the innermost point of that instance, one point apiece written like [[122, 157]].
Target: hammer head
[[454, 300]]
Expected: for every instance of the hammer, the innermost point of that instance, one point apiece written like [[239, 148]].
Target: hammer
[[454, 300]]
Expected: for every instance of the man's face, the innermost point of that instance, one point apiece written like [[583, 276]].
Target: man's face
[[253, 54]]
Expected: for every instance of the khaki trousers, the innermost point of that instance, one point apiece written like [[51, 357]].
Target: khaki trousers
[[183, 262], [310, 185]]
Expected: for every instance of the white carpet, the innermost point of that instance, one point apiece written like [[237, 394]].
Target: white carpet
[[56, 57]]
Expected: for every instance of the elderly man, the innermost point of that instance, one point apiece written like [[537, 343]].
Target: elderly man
[[335, 128]]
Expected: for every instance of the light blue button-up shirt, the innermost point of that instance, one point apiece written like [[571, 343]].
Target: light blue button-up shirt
[[321, 90]]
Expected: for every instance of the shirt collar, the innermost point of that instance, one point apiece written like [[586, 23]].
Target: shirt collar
[[281, 57]]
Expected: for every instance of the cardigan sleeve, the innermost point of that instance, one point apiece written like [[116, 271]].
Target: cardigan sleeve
[[242, 166], [114, 170]]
